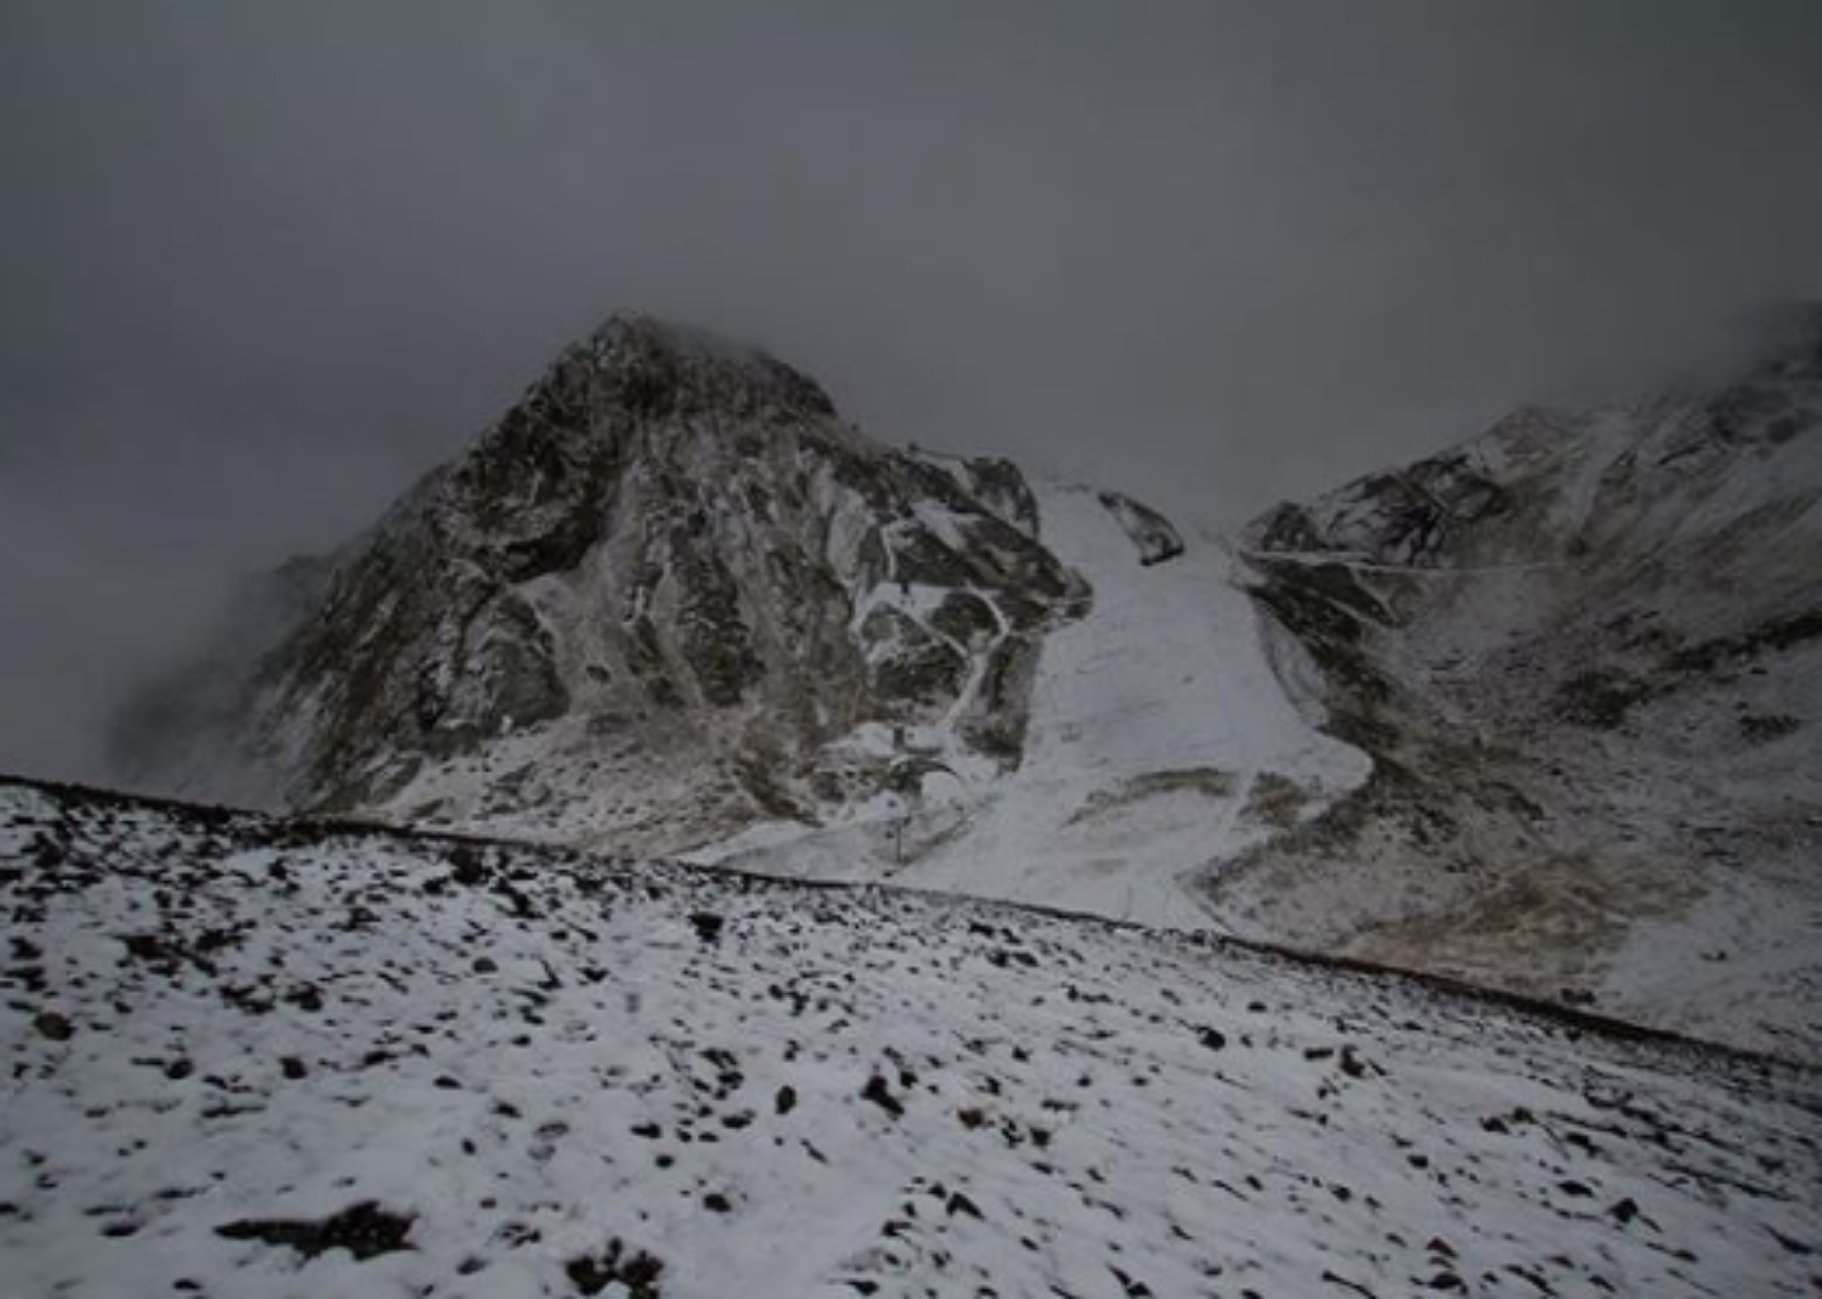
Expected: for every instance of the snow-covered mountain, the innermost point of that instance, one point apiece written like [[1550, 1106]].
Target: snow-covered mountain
[[1535, 712], [250, 1057], [1159, 739], [1584, 652], [672, 602], [669, 592]]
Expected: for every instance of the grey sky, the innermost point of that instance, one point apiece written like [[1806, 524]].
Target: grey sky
[[262, 264]]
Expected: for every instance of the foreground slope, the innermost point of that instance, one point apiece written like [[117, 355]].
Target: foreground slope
[[1583, 651], [250, 1057]]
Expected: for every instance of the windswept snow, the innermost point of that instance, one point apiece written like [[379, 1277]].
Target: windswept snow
[[256, 1058]]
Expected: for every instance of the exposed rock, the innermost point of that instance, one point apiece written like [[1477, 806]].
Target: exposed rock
[[657, 564], [1150, 531], [365, 1230]]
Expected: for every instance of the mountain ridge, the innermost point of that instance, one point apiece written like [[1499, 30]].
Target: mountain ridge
[[1465, 716], [1577, 650], [667, 537]]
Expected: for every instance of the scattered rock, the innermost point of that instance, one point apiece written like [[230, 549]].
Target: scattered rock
[[638, 1272], [54, 1026], [365, 1230], [881, 1095]]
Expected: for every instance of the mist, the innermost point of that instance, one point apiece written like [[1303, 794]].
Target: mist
[[261, 267]]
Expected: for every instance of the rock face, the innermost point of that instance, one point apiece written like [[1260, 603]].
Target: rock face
[[1582, 651], [1157, 541], [671, 566]]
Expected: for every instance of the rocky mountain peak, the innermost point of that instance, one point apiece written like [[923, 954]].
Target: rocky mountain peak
[[637, 370], [636, 388], [669, 569], [656, 368]]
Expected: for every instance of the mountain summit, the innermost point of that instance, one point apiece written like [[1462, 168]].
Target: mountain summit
[[667, 591]]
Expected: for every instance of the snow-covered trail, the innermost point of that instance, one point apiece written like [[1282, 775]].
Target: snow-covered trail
[[1153, 719]]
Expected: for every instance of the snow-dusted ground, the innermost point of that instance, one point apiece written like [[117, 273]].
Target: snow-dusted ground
[[1583, 649], [251, 1058], [1160, 740]]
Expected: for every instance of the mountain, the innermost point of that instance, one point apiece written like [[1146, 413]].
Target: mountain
[[1535, 712], [261, 1057], [669, 592], [671, 602], [1583, 653], [1159, 739]]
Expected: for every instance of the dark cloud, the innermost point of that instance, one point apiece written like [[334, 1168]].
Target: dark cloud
[[263, 265]]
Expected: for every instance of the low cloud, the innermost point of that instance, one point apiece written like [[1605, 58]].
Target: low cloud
[[264, 266]]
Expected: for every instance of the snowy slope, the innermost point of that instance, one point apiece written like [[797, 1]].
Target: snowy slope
[[1160, 739], [1583, 651], [1538, 711], [257, 1058]]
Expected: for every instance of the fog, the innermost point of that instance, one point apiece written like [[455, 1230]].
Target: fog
[[260, 266]]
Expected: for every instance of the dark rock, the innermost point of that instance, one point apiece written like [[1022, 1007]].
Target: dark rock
[[1152, 533], [881, 1095], [638, 1271], [365, 1230], [54, 1026]]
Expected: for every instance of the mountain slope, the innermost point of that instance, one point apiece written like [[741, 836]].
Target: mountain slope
[[1536, 712], [1582, 652], [1159, 740], [255, 1057], [667, 591], [671, 602]]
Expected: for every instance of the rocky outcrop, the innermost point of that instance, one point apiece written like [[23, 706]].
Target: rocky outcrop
[[1152, 534], [675, 565]]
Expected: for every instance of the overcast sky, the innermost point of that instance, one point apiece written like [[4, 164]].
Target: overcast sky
[[261, 265]]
